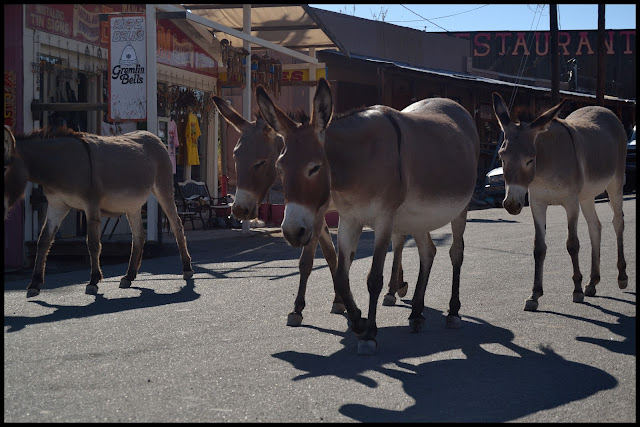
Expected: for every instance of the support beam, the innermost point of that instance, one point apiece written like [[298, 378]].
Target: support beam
[[246, 92], [152, 110]]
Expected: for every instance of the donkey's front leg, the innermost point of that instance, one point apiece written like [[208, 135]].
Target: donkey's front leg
[[595, 232], [539, 212], [573, 247], [137, 246], [55, 215], [94, 246], [367, 343], [305, 265], [348, 236], [396, 281]]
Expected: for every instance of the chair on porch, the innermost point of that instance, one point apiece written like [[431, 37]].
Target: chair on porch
[[187, 202]]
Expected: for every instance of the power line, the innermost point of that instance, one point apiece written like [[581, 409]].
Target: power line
[[424, 18], [441, 17]]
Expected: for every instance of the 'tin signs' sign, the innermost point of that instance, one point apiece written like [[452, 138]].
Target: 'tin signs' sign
[[127, 68]]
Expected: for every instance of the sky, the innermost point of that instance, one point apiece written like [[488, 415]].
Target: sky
[[490, 17]]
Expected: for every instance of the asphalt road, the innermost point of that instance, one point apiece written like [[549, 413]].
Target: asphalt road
[[216, 348]]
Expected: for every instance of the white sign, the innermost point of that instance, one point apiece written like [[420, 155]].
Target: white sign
[[127, 65]]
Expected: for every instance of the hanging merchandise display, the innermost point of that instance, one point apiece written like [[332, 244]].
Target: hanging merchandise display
[[192, 134], [233, 58], [174, 142]]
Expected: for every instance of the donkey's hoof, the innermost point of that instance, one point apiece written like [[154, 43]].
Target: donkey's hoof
[[579, 296], [125, 283], [367, 347], [338, 308], [530, 305], [187, 274], [453, 322], [417, 324], [402, 290], [294, 319], [622, 283], [590, 291], [91, 290], [33, 292], [389, 300]]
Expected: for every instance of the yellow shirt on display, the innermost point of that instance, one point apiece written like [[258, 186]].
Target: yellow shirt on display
[[193, 132]]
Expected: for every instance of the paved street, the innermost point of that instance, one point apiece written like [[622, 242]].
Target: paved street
[[216, 348]]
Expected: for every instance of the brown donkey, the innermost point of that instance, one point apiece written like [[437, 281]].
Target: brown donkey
[[100, 175], [255, 156], [565, 162], [401, 173]]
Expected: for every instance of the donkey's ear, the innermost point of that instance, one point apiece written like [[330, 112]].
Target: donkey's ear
[[273, 115], [322, 106], [227, 111], [9, 144], [541, 124], [501, 110]]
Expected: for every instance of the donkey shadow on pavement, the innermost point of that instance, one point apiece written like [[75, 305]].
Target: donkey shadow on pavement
[[101, 305], [504, 384]]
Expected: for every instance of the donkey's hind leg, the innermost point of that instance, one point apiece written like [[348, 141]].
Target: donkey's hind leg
[[396, 282], [329, 253], [55, 215], [168, 204], [93, 243], [137, 246], [615, 201], [588, 207], [456, 253]]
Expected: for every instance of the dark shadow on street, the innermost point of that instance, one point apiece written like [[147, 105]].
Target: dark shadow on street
[[101, 305], [481, 386], [624, 326]]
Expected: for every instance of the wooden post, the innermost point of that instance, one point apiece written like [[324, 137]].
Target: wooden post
[[600, 70], [555, 64]]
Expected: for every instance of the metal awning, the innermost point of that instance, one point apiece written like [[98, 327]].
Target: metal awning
[[294, 26]]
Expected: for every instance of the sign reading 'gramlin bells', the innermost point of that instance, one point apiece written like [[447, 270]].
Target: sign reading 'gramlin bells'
[[128, 64]]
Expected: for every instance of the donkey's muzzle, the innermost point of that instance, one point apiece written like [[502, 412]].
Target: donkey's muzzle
[[244, 212], [297, 237], [512, 206]]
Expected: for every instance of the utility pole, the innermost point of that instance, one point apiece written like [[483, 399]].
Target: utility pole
[[600, 73], [553, 51]]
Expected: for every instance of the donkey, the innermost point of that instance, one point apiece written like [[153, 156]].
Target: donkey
[[255, 156], [100, 175], [565, 162], [401, 173]]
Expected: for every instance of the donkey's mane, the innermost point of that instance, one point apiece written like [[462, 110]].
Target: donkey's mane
[[50, 133]]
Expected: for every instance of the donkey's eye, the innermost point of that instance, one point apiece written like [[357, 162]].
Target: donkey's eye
[[529, 162], [259, 164], [314, 170]]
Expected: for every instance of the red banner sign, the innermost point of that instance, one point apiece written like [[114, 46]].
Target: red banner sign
[[81, 22], [10, 99]]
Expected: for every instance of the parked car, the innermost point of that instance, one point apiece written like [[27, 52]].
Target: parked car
[[630, 167], [494, 186]]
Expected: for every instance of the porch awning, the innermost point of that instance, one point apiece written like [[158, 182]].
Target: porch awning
[[294, 26]]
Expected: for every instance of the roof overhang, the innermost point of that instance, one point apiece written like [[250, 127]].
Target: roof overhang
[[291, 26]]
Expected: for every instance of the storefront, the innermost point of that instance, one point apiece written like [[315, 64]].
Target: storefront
[[58, 57], [57, 73]]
